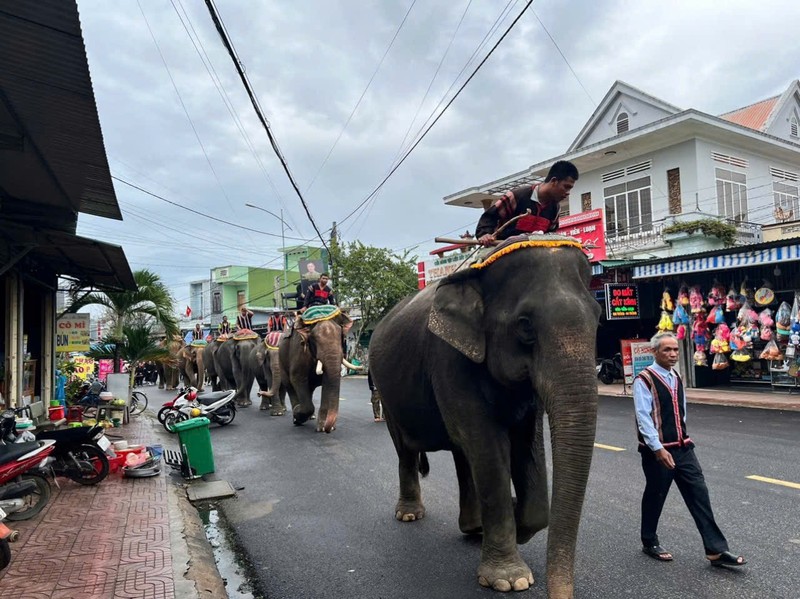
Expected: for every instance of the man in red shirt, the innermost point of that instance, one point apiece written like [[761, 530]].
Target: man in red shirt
[[319, 293], [542, 199]]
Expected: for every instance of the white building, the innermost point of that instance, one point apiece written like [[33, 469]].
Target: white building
[[648, 164]]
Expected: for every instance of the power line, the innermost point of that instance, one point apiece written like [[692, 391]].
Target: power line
[[254, 101], [427, 130]]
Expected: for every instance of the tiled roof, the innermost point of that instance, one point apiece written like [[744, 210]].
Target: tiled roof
[[754, 116]]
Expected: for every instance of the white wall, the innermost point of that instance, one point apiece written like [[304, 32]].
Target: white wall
[[639, 115], [780, 125]]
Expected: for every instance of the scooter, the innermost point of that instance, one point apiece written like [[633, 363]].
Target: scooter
[[218, 407], [610, 370], [79, 454], [166, 407], [24, 491]]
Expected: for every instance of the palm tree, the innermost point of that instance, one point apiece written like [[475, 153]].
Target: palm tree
[[151, 300]]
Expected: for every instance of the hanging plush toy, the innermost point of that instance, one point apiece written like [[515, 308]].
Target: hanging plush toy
[[665, 323], [666, 301], [681, 332], [720, 362], [765, 333], [783, 322], [700, 334], [683, 296], [765, 318], [720, 345], [680, 316], [696, 300], [700, 358]]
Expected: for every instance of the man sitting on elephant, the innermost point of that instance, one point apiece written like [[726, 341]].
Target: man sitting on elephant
[[319, 293], [542, 199]]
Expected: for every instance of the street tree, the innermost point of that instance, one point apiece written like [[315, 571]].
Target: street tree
[[371, 279], [138, 345]]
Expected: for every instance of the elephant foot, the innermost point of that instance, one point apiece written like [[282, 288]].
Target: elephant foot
[[300, 417], [277, 412], [516, 576], [321, 427], [243, 404], [264, 405], [409, 511], [161, 386], [470, 524]]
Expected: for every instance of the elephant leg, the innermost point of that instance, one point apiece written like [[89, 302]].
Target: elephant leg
[[469, 517], [377, 406], [529, 475], [409, 505], [278, 403]]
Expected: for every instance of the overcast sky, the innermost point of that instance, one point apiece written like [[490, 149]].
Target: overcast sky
[[309, 61]]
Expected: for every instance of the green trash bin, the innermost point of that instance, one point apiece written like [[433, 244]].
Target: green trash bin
[[195, 442]]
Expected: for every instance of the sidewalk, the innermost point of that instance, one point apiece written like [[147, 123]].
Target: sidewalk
[[722, 396], [124, 538]]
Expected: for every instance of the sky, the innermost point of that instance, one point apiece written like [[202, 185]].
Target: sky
[[344, 101]]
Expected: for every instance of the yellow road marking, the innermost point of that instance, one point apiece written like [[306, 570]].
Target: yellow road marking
[[608, 447], [774, 481]]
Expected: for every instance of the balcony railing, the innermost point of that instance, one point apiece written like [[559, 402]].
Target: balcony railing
[[632, 240]]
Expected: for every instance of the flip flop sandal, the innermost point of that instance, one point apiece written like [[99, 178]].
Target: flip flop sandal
[[658, 552], [727, 560]]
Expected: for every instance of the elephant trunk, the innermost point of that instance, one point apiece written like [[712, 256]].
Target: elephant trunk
[[331, 382], [201, 371], [572, 413]]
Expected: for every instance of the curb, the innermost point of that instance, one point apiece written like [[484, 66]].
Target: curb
[[730, 403]]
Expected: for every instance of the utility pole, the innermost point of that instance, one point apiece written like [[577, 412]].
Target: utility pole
[[283, 258], [333, 246]]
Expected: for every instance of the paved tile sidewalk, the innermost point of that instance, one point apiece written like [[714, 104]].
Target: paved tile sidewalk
[[107, 541]]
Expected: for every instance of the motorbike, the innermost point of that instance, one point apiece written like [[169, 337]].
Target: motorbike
[[167, 405], [24, 490], [79, 454], [217, 406], [610, 369]]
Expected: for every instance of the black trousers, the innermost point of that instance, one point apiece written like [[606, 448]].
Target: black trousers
[[689, 477]]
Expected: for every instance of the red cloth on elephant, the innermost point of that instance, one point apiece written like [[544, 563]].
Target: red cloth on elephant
[[273, 338]]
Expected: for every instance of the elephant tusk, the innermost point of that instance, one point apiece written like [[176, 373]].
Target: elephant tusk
[[352, 366], [319, 367]]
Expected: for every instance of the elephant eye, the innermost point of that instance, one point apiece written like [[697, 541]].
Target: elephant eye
[[526, 332]]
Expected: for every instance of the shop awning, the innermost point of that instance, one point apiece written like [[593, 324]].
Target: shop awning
[[92, 263], [735, 258]]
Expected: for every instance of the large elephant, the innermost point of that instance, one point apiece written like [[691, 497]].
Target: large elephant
[[310, 357], [232, 364], [265, 363], [192, 365], [469, 365], [217, 383]]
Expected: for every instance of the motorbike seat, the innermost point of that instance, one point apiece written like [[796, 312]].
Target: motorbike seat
[[208, 398], [9, 453]]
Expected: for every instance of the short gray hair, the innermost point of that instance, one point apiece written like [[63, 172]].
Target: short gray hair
[[655, 342]]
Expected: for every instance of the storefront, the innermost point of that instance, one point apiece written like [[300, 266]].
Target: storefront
[[734, 311], [53, 166]]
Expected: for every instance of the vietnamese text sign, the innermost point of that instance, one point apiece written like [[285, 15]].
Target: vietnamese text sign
[[83, 367], [641, 355], [622, 301], [586, 227], [433, 270], [72, 333]]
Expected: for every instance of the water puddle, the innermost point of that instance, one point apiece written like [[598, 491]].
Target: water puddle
[[232, 566]]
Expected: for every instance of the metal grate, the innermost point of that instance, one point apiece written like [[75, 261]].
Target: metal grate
[[785, 175], [617, 174], [638, 168]]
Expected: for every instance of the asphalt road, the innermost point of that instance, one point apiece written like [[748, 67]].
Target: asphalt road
[[315, 512]]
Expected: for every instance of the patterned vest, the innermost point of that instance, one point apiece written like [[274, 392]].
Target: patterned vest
[[668, 410]]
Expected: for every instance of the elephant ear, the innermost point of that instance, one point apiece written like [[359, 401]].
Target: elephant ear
[[343, 320], [457, 315]]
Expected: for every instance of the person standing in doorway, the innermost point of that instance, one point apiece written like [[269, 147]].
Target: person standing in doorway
[[668, 455]]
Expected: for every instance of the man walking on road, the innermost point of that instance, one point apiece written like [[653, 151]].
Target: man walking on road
[[668, 454]]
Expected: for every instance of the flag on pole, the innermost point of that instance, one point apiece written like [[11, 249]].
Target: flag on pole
[[188, 311]]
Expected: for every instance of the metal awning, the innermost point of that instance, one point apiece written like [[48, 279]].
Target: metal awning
[[92, 263], [51, 146], [732, 259]]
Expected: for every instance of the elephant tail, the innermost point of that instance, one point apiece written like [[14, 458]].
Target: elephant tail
[[424, 466]]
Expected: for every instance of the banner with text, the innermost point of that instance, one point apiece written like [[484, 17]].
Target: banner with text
[[622, 301], [586, 227], [72, 333]]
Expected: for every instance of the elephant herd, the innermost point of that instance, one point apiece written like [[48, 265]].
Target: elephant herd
[[296, 362]]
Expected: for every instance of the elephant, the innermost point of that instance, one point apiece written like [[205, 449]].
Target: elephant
[[192, 366], [312, 356], [232, 365], [168, 371], [217, 383], [469, 365], [264, 362]]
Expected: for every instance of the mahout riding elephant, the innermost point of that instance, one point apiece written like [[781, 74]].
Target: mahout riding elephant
[[192, 365], [217, 383], [264, 362], [470, 365], [233, 366], [310, 357]]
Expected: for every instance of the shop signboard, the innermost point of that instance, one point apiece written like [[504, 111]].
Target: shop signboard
[[586, 227], [72, 333], [636, 356], [84, 367], [438, 268], [622, 301], [105, 367]]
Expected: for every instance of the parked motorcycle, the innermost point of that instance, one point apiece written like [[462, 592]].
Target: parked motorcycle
[[79, 454], [24, 490], [166, 407], [217, 407], [610, 370]]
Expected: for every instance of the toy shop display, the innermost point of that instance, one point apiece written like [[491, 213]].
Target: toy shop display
[[741, 330]]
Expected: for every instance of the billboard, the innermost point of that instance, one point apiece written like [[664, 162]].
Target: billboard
[[72, 333], [586, 227], [429, 271]]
